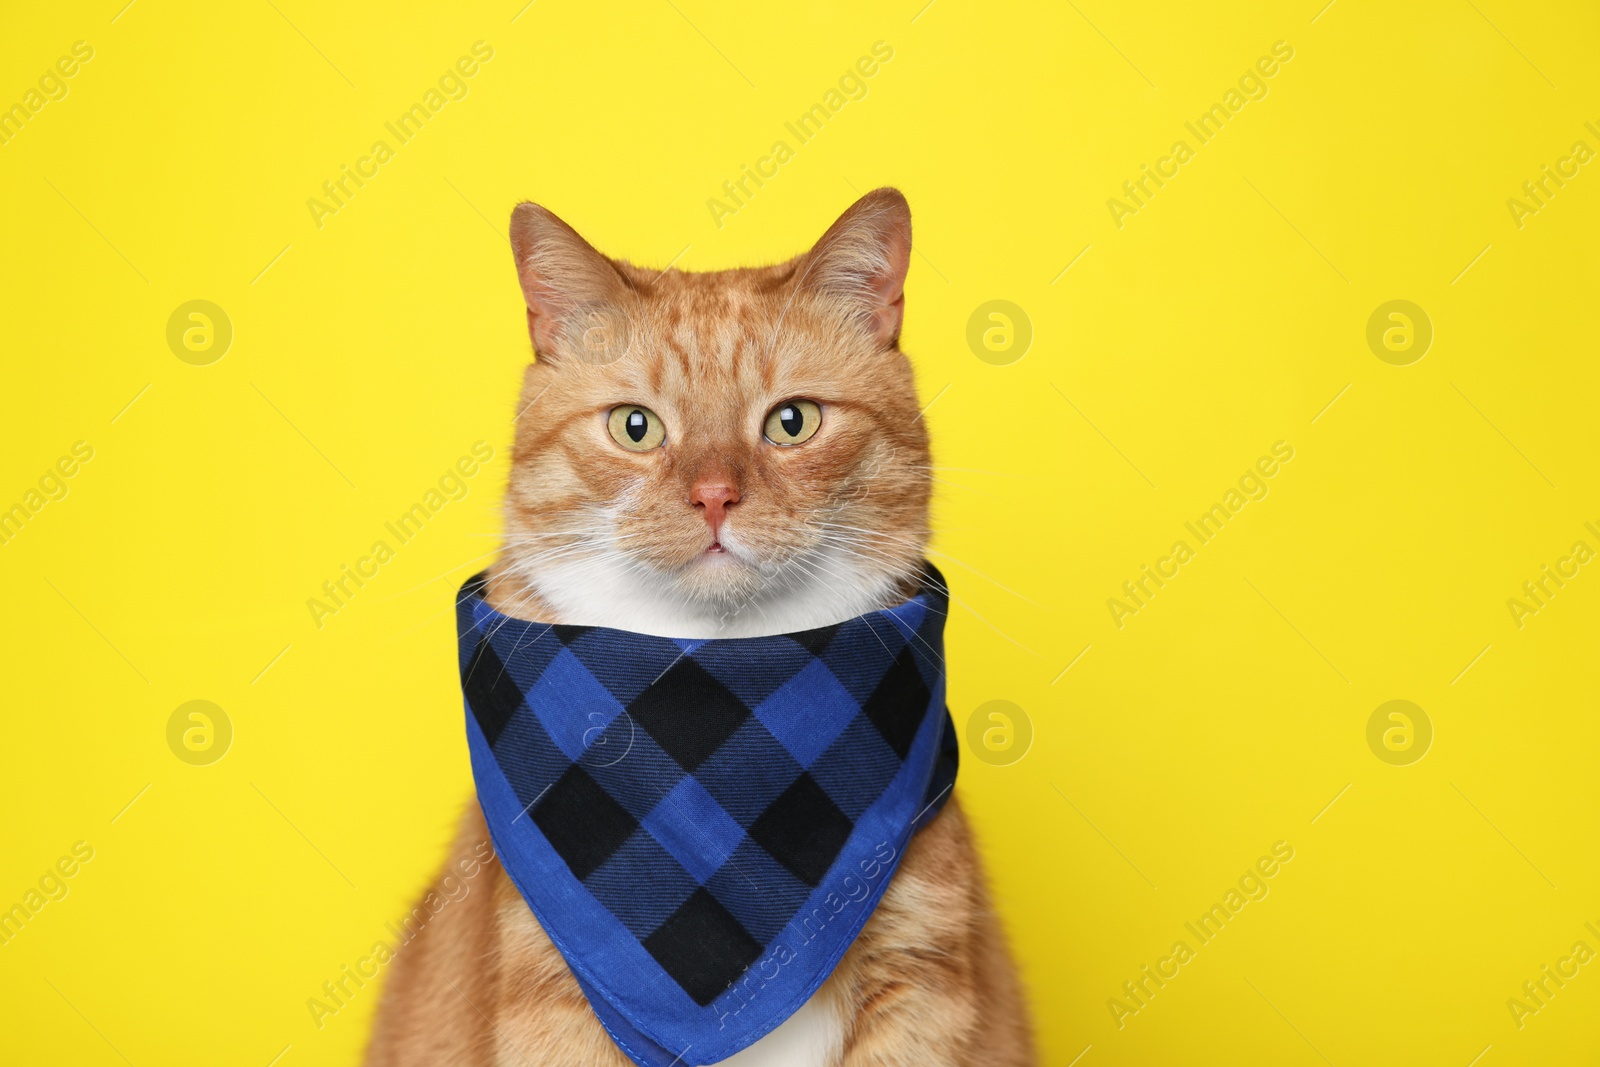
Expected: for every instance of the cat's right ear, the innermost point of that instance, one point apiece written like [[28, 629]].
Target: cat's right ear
[[576, 298], [863, 259]]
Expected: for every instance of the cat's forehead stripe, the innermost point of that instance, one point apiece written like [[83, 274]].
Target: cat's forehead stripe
[[737, 340]]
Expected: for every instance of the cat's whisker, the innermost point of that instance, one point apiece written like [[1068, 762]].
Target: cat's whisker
[[491, 581], [453, 570], [894, 564], [967, 488], [945, 555], [961, 470]]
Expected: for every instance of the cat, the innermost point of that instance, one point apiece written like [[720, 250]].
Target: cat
[[724, 454]]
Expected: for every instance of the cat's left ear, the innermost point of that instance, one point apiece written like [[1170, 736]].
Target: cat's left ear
[[576, 298], [863, 258]]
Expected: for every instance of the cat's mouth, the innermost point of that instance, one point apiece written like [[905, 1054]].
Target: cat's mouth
[[723, 551]]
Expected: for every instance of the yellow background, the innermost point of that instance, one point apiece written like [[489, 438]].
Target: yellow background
[[1224, 316]]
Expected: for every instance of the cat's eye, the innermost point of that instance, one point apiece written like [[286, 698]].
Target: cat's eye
[[792, 422], [635, 428]]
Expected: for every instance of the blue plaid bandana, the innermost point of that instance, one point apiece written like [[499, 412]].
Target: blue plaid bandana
[[703, 827]]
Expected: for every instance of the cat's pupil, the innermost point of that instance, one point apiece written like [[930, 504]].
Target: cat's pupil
[[637, 425], [791, 420]]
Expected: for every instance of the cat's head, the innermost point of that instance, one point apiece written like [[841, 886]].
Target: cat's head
[[715, 454]]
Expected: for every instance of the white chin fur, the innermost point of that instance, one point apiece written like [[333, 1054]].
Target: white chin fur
[[607, 589]]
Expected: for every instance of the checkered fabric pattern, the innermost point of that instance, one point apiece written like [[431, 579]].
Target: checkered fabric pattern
[[702, 791]]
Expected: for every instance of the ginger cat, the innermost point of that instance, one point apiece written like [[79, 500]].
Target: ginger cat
[[724, 454]]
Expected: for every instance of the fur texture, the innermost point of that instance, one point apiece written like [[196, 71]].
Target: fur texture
[[718, 532]]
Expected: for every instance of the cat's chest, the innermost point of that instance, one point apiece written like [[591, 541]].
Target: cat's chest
[[811, 1037]]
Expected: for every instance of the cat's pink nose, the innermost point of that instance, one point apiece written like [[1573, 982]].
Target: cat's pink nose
[[715, 499]]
